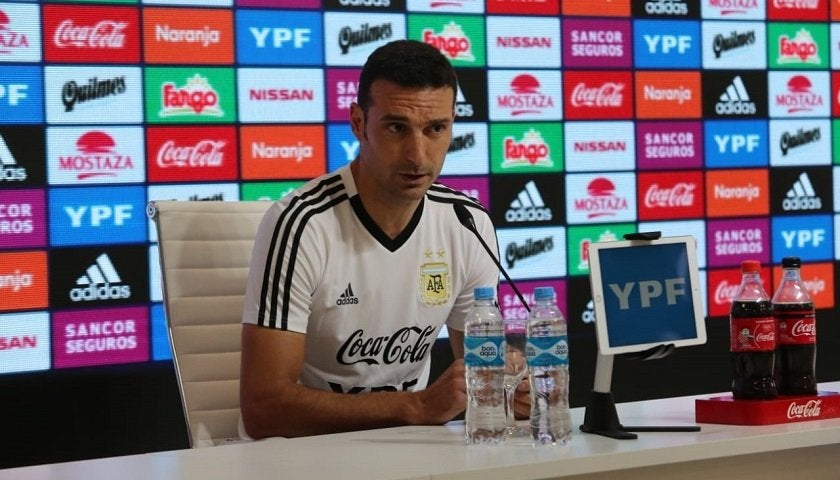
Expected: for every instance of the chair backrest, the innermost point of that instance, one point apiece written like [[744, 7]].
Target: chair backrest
[[205, 253]]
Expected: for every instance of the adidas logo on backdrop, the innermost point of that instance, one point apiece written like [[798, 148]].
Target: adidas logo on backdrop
[[801, 196], [100, 282], [528, 206]]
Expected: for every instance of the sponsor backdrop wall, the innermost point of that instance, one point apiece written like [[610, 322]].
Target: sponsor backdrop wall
[[578, 121]]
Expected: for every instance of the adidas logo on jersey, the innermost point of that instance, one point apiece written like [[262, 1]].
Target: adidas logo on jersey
[[9, 169], [528, 206], [347, 297], [100, 282], [735, 100], [801, 196]]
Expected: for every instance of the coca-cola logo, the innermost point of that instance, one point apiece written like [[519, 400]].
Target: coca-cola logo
[[205, 153], [406, 345], [809, 409], [725, 292], [803, 328], [610, 94], [104, 34], [679, 195]]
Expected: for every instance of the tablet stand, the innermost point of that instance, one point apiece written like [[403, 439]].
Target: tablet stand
[[601, 417]]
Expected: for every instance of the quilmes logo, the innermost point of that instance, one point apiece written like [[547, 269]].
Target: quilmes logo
[[800, 138], [531, 150], [347, 297], [195, 97], [451, 41], [100, 282], [528, 206], [10, 171], [96, 156], [366, 33], [732, 41], [735, 100], [801, 195], [73, 93], [801, 48]]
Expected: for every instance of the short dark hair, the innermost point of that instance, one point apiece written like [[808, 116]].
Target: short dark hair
[[407, 63]]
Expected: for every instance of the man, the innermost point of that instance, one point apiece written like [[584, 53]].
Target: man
[[354, 274]]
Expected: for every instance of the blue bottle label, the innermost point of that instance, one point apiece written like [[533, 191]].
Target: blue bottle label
[[550, 351], [484, 351]]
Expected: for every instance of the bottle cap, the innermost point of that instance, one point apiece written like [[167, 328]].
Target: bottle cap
[[544, 293], [791, 262], [483, 293], [750, 266]]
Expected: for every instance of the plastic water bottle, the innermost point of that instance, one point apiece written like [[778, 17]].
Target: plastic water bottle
[[548, 362], [484, 350]]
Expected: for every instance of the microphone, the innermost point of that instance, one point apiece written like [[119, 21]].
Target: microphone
[[466, 219]]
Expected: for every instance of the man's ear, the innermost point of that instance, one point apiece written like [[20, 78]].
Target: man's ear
[[357, 121]]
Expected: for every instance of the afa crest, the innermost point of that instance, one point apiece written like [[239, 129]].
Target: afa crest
[[435, 287]]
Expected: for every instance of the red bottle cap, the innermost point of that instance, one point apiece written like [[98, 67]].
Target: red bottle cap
[[750, 266]]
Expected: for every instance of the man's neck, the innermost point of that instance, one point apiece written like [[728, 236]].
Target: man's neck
[[391, 216]]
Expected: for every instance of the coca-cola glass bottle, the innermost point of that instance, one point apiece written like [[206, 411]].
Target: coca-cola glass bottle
[[752, 337], [796, 344]]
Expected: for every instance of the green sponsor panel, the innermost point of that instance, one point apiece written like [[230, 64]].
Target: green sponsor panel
[[526, 147], [580, 237], [835, 145], [459, 37], [268, 190], [190, 95], [798, 46]]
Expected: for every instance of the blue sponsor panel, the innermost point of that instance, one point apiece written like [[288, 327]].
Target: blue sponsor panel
[[21, 95], [809, 237], [97, 215], [279, 37], [342, 146], [161, 350], [670, 44], [735, 143]]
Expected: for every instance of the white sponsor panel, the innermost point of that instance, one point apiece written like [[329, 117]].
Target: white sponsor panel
[[733, 9], [834, 42], [452, 6], [836, 231], [695, 228], [350, 37], [600, 197], [93, 95], [468, 152], [291, 95], [525, 95], [91, 155], [600, 146], [800, 142], [799, 94], [734, 45], [534, 252], [20, 38], [210, 192], [531, 42], [24, 342]]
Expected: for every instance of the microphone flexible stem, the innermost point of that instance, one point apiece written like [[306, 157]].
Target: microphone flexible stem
[[498, 264]]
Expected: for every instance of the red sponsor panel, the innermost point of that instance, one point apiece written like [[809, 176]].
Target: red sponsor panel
[[597, 8], [835, 94], [524, 7], [723, 284], [180, 154], [188, 35], [818, 279], [23, 280], [91, 34], [668, 95], [796, 10], [737, 193], [601, 95], [670, 195], [282, 152], [835, 10]]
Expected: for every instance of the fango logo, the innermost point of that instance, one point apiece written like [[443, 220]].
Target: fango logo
[[526, 148], [458, 37], [177, 95], [798, 45]]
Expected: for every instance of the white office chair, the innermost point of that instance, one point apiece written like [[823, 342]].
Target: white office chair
[[205, 252]]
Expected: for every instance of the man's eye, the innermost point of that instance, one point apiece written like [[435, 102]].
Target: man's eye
[[396, 128]]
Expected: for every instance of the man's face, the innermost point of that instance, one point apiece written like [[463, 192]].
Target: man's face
[[403, 139]]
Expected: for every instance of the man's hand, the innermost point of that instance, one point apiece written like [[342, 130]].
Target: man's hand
[[522, 400], [441, 401]]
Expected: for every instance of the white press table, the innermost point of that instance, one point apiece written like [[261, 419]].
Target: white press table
[[803, 450]]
